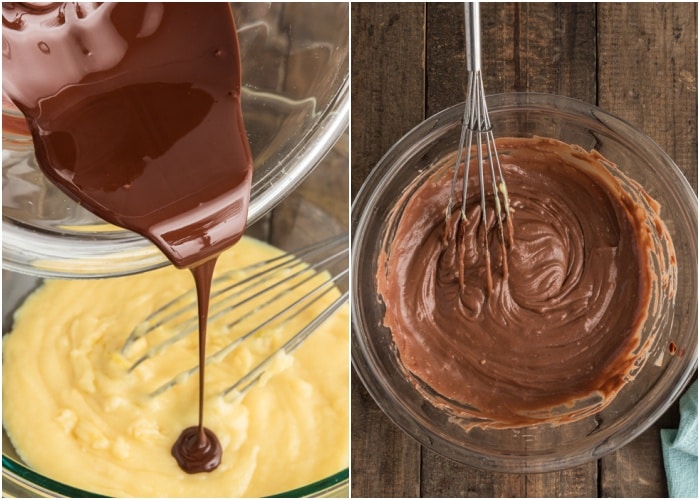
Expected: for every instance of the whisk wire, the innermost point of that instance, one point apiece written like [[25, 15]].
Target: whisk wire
[[288, 313], [168, 312], [223, 291], [477, 133], [244, 384], [285, 282]]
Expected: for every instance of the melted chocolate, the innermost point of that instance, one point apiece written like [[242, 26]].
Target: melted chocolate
[[134, 110], [197, 450], [560, 327]]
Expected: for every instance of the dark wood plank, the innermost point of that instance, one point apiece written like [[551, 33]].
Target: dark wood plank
[[379, 105], [385, 463], [444, 478], [526, 47], [445, 66], [327, 186], [540, 47], [633, 471], [261, 229], [636, 470], [576, 482], [654, 87]]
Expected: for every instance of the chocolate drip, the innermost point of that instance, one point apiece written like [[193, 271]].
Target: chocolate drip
[[135, 113], [197, 450]]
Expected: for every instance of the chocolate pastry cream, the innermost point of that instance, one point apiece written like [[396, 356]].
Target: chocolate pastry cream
[[75, 415], [558, 334]]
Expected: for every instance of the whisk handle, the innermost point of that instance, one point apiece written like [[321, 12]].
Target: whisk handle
[[472, 36]]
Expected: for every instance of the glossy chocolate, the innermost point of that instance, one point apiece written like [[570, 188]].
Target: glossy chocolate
[[134, 110], [561, 326]]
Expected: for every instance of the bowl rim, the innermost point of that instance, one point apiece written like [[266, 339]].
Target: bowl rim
[[388, 165], [19, 474], [130, 253]]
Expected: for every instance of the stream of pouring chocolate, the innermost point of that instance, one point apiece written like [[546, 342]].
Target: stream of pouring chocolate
[[134, 110]]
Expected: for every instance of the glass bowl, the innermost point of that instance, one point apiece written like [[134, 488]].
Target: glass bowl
[[542, 447], [295, 98], [316, 210]]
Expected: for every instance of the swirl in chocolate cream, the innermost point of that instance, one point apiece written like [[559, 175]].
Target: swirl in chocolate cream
[[561, 326]]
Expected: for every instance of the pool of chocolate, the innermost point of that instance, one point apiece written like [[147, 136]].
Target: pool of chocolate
[[561, 326]]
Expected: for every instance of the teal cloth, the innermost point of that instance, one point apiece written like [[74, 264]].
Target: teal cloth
[[680, 449]]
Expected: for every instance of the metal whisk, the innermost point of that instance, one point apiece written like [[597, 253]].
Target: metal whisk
[[477, 133], [273, 293]]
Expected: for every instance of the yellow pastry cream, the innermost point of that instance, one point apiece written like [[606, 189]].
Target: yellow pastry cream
[[76, 413]]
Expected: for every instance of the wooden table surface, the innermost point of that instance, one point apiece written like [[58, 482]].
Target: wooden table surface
[[638, 61]]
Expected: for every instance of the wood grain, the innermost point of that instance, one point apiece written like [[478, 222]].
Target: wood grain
[[387, 461], [654, 86], [379, 105], [638, 61], [634, 470], [543, 47]]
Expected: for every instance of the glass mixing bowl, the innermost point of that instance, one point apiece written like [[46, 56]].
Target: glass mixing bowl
[[295, 100], [537, 448], [316, 210]]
